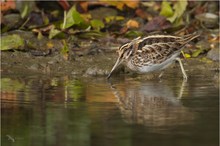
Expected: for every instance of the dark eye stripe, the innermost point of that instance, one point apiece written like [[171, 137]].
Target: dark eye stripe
[[124, 46]]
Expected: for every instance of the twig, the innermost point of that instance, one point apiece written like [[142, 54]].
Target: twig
[[10, 138], [64, 20]]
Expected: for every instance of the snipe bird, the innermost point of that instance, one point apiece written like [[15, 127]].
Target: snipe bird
[[152, 53]]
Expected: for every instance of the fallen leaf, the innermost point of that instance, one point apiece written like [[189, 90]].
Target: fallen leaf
[[154, 5], [121, 4], [148, 4], [84, 6], [25, 11], [53, 32], [64, 4], [179, 8], [123, 30], [25, 8], [197, 52], [72, 18], [39, 36], [186, 55], [132, 4], [87, 17], [97, 24], [144, 15], [65, 50], [166, 9], [132, 34], [7, 5], [11, 42], [156, 24], [50, 45], [113, 18], [132, 24], [92, 34]]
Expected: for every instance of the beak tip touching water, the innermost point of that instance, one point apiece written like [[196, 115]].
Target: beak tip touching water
[[118, 62], [109, 75]]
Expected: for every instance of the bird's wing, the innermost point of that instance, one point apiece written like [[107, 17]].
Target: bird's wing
[[157, 48], [156, 53]]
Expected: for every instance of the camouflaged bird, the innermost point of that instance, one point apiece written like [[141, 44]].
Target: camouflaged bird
[[152, 53]]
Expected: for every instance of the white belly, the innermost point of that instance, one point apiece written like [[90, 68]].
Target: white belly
[[153, 67]]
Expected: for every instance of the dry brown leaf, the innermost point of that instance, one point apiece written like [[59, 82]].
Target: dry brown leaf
[[132, 4], [64, 4], [144, 15], [132, 24], [123, 30], [84, 6], [119, 5], [7, 5], [156, 24]]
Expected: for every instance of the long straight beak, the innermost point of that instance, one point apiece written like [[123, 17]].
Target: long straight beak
[[118, 62]]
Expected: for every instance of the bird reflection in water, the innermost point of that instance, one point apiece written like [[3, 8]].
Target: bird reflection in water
[[152, 104]]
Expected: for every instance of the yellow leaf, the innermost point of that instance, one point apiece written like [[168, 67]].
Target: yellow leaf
[[86, 17], [166, 9], [50, 45], [132, 24], [132, 4], [113, 18], [119, 5], [186, 55]]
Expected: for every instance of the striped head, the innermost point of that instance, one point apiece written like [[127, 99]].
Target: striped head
[[125, 52]]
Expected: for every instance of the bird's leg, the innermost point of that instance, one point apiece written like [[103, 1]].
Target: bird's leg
[[182, 69], [161, 74], [181, 89]]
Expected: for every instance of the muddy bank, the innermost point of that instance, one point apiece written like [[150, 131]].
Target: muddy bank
[[98, 65]]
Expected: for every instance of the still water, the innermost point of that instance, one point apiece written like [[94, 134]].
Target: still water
[[68, 111]]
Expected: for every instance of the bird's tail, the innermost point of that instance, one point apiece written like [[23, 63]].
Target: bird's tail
[[187, 38]]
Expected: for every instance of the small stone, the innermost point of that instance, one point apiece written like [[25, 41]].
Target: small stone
[[213, 54], [34, 67], [94, 71]]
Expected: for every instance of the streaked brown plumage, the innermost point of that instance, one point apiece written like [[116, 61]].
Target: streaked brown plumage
[[152, 53]]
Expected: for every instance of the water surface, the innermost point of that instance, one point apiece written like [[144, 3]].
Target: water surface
[[67, 111]]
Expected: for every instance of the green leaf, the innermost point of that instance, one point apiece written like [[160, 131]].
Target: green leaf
[[25, 11], [53, 32], [179, 8], [97, 24], [72, 18], [132, 34], [65, 48], [93, 34], [166, 9], [25, 8], [39, 36], [11, 42], [196, 53], [113, 18]]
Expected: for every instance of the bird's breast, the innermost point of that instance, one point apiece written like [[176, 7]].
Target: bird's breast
[[149, 66]]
